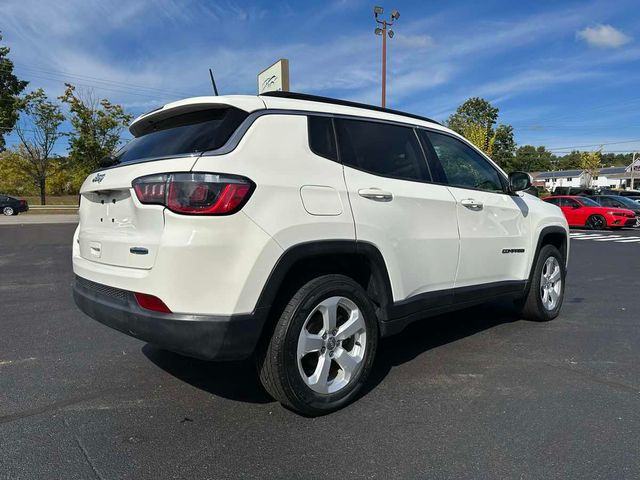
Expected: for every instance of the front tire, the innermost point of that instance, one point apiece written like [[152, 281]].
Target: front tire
[[8, 211], [323, 346], [546, 291], [596, 222]]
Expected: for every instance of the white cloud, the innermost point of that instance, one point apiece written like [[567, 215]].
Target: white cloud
[[414, 41], [603, 36]]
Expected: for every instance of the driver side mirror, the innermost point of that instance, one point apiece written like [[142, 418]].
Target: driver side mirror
[[519, 181]]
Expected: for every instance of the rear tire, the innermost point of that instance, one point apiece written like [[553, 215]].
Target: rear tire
[[8, 211], [322, 348], [546, 291], [596, 222]]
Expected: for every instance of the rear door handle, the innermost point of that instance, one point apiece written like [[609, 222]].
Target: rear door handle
[[472, 204], [375, 194]]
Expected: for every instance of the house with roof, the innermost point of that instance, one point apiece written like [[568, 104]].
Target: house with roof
[[561, 178], [607, 177]]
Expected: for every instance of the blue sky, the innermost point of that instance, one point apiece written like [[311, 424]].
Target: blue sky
[[563, 74]]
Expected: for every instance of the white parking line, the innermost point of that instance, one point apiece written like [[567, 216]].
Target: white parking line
[[590, 237], [609, 238], [629, 240]]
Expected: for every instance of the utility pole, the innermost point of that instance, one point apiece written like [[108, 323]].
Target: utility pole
[[633, 162], [395, 15]]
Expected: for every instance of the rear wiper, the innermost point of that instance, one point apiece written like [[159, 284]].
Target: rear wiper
[[108, 161]]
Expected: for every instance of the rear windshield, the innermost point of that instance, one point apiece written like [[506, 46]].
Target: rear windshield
[[192, 132]]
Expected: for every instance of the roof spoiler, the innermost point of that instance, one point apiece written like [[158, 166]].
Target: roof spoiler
[[241, 102]]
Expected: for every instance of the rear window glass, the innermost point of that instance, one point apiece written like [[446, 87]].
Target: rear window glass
[[322, 140], [189, 133]]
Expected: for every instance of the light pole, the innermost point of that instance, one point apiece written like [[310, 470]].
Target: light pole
[[635, 154], [395, 15]]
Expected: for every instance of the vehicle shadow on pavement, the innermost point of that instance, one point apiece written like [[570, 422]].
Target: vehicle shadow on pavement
[[434, 332], [231, 380], [239, 381]]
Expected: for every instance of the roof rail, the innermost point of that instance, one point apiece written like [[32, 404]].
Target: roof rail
[[346, 103]]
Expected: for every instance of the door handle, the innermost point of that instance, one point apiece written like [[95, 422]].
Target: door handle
[[472, 204], [375, 194]]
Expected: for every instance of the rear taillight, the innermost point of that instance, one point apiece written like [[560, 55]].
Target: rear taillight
[[194, 193], [150, 302]]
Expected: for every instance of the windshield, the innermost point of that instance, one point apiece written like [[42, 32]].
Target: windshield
[[189, 133], [627, 201], [587, 202]]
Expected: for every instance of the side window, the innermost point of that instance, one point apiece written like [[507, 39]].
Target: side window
[[568, 202], [606, 202], [381, 149], [322, 140], [554, 201], [462, 166]]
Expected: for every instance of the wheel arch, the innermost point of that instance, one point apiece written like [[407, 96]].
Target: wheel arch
[[551, 235], [361, 261]]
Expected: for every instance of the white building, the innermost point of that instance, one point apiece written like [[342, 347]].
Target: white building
[[607, 177], [562, 178]]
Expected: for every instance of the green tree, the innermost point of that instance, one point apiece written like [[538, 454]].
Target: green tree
[[531, 159], [591, 162], [38, 139], [504, 147], [474, 120], [10, 88], [97, 127], [570, 161], [13, 179]]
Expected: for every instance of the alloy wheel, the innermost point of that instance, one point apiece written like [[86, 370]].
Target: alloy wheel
[[551, 283], [8, 211], [331, 345]]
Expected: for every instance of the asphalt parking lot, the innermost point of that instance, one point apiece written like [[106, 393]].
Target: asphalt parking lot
[[477, 394]]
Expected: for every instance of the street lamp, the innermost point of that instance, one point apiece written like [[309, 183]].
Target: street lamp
[[382, 31]]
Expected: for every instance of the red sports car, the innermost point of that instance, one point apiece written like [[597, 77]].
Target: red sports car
[[584, 212]]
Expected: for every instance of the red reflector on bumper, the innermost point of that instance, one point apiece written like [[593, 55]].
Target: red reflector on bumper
[[151, 303]]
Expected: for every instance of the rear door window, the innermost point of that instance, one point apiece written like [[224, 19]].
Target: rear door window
[[382, 149], [185, 134], [568, 202]]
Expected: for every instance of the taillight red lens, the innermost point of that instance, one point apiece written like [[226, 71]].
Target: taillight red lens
[[194, 193], [151, 189], [151, 303]]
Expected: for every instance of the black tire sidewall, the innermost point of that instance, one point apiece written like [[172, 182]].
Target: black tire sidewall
[[315, 402], [546, 252], [604, 222]]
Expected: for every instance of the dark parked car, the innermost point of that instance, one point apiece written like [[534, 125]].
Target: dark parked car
[[571, 191], [12, 206], [618, 201]]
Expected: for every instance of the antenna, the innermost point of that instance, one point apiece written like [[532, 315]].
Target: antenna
[[213, 83]]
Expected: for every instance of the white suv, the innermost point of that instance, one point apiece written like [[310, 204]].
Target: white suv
[[300, 230]]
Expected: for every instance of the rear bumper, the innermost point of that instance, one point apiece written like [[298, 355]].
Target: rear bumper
[[208, 337]]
